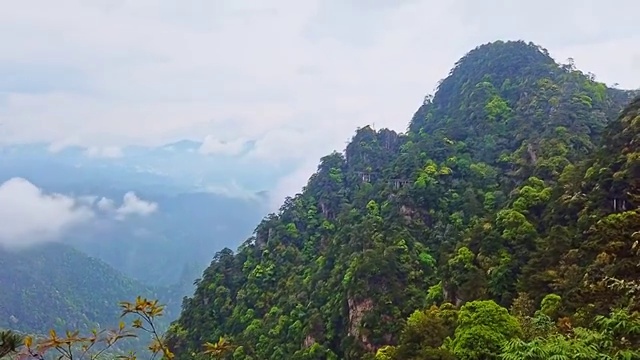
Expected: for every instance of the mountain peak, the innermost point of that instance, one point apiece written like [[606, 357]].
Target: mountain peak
[[474, 104], [514, 53], [495, 62], [183, 145], [462, 207]]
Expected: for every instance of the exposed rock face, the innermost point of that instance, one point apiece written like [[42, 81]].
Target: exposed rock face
[[357, 310], [407, 213], [411, 214], [532, 154], [308, 341], [451, 296]]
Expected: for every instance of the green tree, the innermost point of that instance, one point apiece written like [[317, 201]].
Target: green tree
[[9, 342], [483, 327]]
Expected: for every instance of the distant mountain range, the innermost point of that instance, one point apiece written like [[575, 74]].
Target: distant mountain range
[[204, 202], [178, 167], [194, 204]]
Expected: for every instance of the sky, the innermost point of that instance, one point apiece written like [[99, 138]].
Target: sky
[[294, 77]]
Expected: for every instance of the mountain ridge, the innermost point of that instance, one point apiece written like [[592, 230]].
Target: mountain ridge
[[455, 210], [178, 166], [79, 291]]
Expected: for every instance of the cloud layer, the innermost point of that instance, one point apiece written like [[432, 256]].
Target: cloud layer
[[29, 215], [294, 77], [133, 205]]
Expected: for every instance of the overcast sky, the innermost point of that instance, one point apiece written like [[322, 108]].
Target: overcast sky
[[296, 76]]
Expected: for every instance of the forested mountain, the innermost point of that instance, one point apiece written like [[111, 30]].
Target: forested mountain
[[516, 186], [53, 286]]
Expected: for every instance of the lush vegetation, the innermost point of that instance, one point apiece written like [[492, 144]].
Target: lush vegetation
[[503, 224], [57, 287], [106, 343], [94, 344]]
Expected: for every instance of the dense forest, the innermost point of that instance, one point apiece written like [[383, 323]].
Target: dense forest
[[503, 224], [54, 286]]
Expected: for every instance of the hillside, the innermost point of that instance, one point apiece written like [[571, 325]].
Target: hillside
[[517, 182], [53, 286]]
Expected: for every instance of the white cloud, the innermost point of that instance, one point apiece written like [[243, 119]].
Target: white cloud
[[29, 216], [231, 190], [87, 199], [106, 205], [282, 144], [295, 76], [291, 185], [58, 145], [110, 152], [213, 146], [133, 205]]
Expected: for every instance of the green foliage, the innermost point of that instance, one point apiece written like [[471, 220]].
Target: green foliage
[[9, 342], [424, 335], [514, 181], [616, 336], [96, 344], [56, 287], [483, 326]]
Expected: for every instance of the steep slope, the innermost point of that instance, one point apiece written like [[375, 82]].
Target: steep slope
[[593, 224], [586, 260], [56, 287], [454, 210]]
